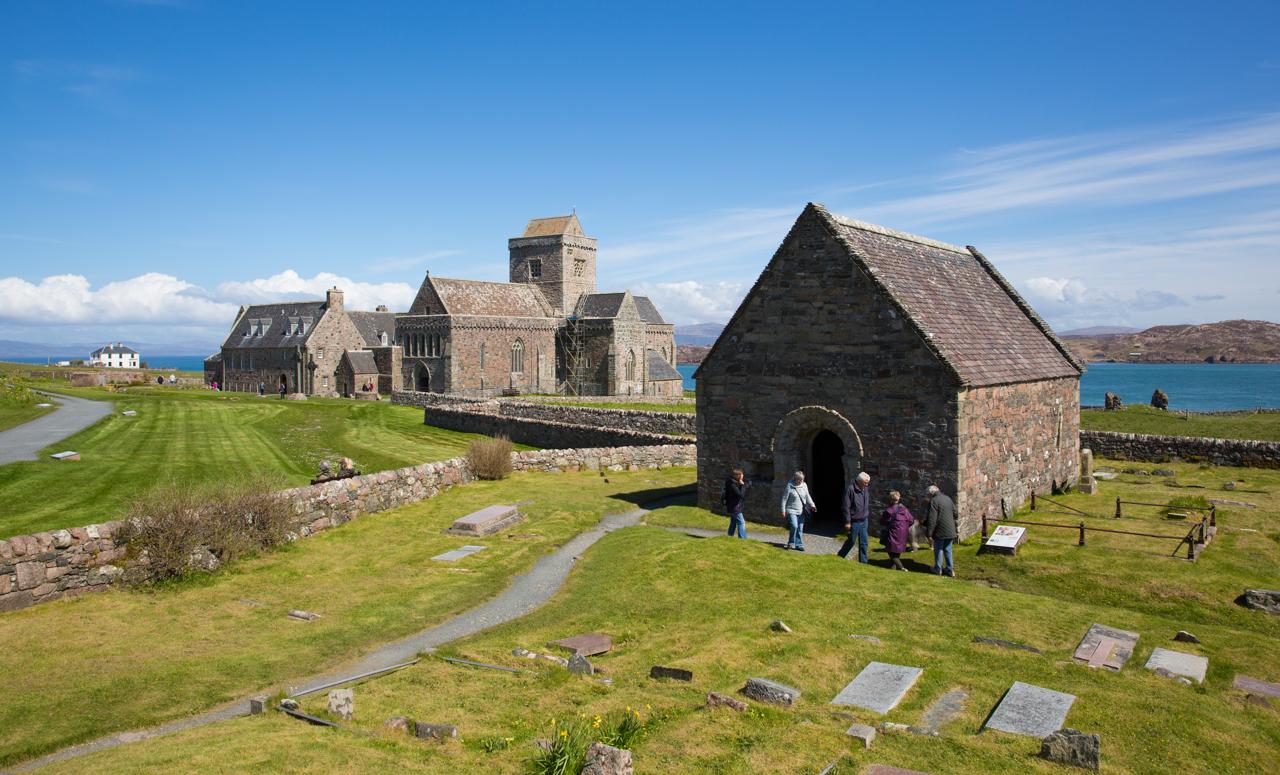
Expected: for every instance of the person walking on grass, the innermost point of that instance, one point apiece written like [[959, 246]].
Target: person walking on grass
[[796, 502], [856, 508], [735, 492], [895, 528], [940, 527]]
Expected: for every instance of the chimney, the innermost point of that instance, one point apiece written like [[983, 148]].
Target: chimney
[[381, 308], [333, 298]]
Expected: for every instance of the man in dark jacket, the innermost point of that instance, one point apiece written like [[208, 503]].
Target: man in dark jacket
[[856, 508], [735, 492], [940, 526]]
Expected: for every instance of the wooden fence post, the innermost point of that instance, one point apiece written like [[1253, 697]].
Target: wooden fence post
[[984, 527], [1118, 514], [1082, 532], [1213, 515], [1033, 500]]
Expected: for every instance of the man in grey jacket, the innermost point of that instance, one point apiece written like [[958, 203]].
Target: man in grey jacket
[[940, 526]]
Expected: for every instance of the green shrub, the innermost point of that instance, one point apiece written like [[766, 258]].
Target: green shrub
[[490, 458], [180, 530]]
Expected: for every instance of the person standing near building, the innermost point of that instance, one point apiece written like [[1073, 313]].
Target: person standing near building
[[940, 527], [262, 389], [796, 502], [856, 507], [735, 492], [895, 528]]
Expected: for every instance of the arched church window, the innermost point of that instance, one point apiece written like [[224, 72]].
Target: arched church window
[[631, 365], [517, 357]]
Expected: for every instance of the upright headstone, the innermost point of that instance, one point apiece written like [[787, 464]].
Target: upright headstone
[[1030, 710], [879, 687], [1088, 484]]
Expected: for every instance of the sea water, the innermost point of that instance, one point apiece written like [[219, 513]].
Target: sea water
[[1197, 387]]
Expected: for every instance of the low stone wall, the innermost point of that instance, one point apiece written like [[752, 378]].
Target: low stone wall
[[66, 563], [1223, 452], [413, 398], [675, 423], [540, 433]]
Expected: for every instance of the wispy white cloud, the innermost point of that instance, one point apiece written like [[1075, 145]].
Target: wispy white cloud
[[1125, 168]]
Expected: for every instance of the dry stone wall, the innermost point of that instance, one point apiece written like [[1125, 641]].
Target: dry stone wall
[[1222, 452], [671, 423], [65, 563], [540, 433]]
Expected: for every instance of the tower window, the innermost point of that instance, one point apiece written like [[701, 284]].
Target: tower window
[[535, 268], [579, 267]]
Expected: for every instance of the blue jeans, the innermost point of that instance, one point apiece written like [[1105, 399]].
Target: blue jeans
[[795, 530], [738, 524], [941, 549], [858, 533]]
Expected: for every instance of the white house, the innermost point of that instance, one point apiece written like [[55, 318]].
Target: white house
[[114, 356]]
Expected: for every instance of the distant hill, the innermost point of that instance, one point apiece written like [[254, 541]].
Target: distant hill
[[704, 334], [691, 353], [1230, 341]]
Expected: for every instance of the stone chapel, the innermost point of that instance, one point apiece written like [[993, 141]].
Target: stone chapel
[[860, 348]]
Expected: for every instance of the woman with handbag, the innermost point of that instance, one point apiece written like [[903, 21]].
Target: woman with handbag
[[796, 503], [895, 528]]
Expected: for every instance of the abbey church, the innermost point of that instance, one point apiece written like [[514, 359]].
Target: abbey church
[[546, 331]]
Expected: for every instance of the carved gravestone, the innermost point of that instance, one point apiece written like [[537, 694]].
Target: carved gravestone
[[1030, 710], [1106, 647], [879, 687]]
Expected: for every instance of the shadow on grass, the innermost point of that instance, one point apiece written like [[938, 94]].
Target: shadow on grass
[[683, 495]]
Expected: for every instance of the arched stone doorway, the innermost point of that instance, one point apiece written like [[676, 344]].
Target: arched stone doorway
[[825, 445], [284, 384], [421, 378]]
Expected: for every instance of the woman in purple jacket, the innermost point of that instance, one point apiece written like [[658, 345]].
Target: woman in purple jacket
[[895, 528]]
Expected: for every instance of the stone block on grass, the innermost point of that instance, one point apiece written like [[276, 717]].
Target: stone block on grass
[[1030, 710], [863, 732], [342, 703], [1072, 747], [486, 521], [427, 731], [606, 760], [1179, 663], [772, 692]]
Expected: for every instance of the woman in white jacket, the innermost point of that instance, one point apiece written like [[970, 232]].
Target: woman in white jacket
[[796, 502]]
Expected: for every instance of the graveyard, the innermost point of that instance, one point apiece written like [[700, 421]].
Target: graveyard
[[939, 675]]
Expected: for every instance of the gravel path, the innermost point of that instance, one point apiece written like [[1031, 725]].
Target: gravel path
[[74, 414]]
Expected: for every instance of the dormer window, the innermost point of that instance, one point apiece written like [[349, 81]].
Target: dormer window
[[382, 337], [535, 269]]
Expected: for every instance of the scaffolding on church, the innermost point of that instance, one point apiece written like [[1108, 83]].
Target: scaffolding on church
[[575, 352]]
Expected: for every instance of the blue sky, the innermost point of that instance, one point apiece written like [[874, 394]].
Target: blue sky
[[163, 161]]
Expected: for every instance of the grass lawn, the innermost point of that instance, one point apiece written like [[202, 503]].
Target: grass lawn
[[78, 669], [1264, 426], [705, 605], [198, 436], [17, 412]]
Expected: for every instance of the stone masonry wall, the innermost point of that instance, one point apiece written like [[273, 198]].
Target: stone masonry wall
[[1222, 452], [673, 423], [66, 563], [1015, 440], [540, 433], [817, 346]]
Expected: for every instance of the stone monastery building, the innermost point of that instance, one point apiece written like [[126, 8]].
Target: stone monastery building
[[860, 348], [545, 331]]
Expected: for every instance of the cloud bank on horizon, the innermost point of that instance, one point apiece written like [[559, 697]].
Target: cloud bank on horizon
[[1122, 227]]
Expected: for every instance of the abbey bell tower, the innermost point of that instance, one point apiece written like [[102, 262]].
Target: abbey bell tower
[[556, 256]]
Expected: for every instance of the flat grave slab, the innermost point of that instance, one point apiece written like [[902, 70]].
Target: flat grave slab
[[458, 554], [588, 644], [63, 457], [879, 687], [1256, 686], [1030, 710], [1179, 663], [486, 521], [1105, 647], [945, 709]]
